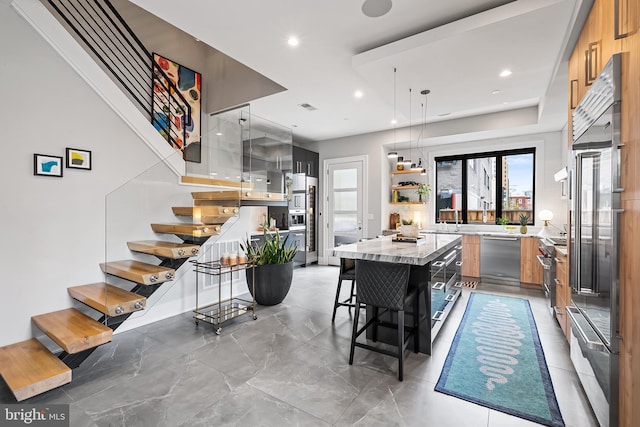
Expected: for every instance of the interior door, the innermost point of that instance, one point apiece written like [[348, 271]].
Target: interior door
[[345, 210]]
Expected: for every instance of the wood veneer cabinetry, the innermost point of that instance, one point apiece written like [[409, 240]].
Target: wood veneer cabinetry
[[471, 257], [616, 24], [530, 268]]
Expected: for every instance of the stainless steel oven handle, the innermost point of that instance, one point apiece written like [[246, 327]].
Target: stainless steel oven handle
[[593, 345], [541, 260], [511, 239]]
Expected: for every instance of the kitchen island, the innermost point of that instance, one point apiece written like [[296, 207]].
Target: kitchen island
[[435, 247]]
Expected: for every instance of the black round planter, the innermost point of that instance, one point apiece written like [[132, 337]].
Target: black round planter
[[272, 282]]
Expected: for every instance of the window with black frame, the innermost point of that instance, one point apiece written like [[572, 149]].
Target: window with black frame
[[486, 188]]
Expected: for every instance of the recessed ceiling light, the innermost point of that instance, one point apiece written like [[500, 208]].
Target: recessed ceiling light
[[505, 73], [219, 133], [358, 94], [293, 41], [444, 114], [394, 121], [495, 92]]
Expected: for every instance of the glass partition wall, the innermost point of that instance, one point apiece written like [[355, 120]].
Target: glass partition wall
[[161, 219]]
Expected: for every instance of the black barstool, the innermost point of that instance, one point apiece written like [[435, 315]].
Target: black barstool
[[347, 272], [383, 285]]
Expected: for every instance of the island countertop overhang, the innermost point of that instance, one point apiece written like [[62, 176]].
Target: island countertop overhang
[[383, 249]]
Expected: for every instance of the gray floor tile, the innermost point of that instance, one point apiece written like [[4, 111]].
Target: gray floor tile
[[289, 367]]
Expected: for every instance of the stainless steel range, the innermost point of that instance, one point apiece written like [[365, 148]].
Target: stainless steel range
[[547, 258]]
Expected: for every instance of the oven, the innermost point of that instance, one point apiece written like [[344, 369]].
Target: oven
[[546, 258], [297, 220]]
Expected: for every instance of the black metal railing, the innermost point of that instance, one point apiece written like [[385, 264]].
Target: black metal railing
[[116, 47]]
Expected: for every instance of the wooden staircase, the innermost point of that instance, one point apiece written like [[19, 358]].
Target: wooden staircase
[[29, 368]]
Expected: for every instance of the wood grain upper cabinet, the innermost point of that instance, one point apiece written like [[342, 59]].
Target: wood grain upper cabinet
[[530, 268], [470, 256]]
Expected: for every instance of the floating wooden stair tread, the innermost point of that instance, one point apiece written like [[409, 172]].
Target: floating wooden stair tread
[[139, 272], [164, 249], [198, 211], [73, 330], [207, 214], [195, 230], [237, 195], [29, 369], [108, 299], [215, 182]]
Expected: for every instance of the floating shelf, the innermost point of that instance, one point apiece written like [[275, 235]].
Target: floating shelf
[[404, 187], [405, 172]]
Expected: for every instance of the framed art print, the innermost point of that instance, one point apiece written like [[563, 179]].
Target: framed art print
[[46, 165], [78, 159]]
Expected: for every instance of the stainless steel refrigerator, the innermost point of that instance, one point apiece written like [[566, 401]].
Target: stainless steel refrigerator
[[595, 210]]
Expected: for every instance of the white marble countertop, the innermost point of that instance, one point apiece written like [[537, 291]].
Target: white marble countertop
[[385, 250]]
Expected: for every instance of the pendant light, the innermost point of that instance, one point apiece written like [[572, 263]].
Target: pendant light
[[394, 154], [407, 161], [424, 92]]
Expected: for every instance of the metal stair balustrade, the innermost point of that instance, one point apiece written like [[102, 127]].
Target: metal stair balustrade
[[112, 42]]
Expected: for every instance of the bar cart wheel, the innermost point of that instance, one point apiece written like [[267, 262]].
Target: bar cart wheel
[[255, 317], [218, 331]]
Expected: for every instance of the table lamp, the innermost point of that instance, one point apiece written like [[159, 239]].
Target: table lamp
[[546, 216]]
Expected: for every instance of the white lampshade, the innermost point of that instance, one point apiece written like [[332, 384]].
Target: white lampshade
[[545, 215]]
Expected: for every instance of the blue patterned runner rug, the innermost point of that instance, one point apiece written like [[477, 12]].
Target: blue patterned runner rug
[[496, 361]]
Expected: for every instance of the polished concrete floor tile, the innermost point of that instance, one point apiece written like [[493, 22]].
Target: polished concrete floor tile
[[290, 367], [315, 380], [247, 406]]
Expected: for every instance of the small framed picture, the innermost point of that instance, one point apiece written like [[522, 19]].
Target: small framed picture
[[46, 165], [78, 159]]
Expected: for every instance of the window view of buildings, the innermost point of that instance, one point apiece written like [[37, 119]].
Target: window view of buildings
[[469, 186]]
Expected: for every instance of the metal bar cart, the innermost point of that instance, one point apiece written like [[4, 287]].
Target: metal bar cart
[[224, 310]]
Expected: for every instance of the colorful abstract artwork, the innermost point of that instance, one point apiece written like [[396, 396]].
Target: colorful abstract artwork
[[78, 159], [46, 165], [188, 83]]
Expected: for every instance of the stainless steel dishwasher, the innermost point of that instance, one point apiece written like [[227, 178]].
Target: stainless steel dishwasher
[[500, 260]]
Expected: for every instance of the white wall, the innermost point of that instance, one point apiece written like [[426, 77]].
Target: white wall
[[52, 228]]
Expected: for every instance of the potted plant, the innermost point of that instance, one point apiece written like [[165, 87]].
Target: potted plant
[[273, 271], [423, 192], [524, 220], [503, 220], [409, 229]]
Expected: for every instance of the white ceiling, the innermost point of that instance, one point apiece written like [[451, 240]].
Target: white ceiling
[[455, 48]]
